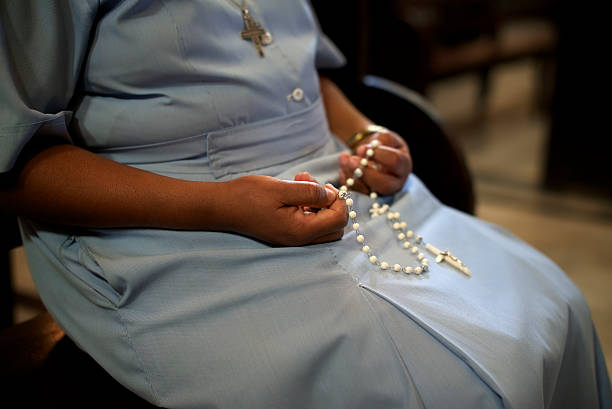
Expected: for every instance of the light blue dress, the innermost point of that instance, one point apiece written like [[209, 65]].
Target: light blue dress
[[208, 319]]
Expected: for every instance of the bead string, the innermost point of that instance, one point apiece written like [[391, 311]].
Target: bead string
[[409, 240]]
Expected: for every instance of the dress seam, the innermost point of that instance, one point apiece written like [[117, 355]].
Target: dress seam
[[140, 363]]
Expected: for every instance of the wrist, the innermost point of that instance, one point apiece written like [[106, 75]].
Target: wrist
[[362, 134]]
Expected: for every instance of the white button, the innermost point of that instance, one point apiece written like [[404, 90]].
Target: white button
[[297, 94], [266, 38]]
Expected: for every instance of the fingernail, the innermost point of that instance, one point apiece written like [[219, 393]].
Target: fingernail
[[343, 159], [331, 195]]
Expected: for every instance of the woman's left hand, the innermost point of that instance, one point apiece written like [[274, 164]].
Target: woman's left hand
[[387, 170]]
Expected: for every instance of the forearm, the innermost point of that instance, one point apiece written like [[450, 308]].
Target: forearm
[[67, 185], [343, 117]]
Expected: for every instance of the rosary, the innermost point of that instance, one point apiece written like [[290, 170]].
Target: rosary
[[410, 241]]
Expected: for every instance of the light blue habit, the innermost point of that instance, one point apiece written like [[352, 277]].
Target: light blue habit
[[207, 319]]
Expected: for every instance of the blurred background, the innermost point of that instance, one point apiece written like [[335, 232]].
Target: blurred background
[[521, 87]]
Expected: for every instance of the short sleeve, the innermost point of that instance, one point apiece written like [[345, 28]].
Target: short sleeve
[[42, 48], [327, 54]]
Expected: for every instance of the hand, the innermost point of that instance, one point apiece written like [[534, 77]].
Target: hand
[[279, 211], [392, 161]]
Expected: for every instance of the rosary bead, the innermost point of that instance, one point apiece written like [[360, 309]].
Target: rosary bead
[[370, 153], [425, 267], [343, 188], [384, 265], [414, 249], [373, 259], [406, 244], [418, 239], [355, 226], [418, 270], [375, 143], [401, 236], [421, 256], [396, 226], [363, 162], [365, 249], [358, 173], [375, 206], [350, 182], [425, 262], [360, 238], [403, 225], [352, 214], [373, 195], [409, 233], [397, 267], [407, 270], [349, 202]]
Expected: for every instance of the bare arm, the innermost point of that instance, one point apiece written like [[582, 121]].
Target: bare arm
[[67, 185]]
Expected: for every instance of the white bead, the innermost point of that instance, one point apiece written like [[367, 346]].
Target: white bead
[[425, 262], [397, 267], [407, 270], [373, 259], [384, 265], [360, 238], [358, 173], [343, 188], [385, 207], [375, 143], [418, 270], [373, 195], [370, 153], [406, 244], [355, 226], [413, 250], [396, 226], [364, 162], [401, 236], [365, 249], [421, 256], [425, 267], [389, 216], [352, 214], [349, 202], [402, 224], [409, 233], [350, 182]]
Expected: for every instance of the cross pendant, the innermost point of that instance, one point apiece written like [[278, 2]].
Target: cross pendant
[[446, 256], [252, 31]]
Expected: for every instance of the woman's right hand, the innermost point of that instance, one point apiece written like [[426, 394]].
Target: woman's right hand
[[276, 211]]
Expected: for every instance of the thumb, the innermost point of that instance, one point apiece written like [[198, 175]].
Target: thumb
[[301, 193]]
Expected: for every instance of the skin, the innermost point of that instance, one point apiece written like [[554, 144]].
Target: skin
[[67, 185]]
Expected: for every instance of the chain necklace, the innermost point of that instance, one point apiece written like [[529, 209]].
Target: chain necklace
[[253, 31], [410, 241]]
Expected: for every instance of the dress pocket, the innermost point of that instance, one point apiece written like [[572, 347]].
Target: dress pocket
[[87, 273]]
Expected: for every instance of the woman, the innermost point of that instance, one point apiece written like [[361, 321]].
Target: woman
[[153, 146]]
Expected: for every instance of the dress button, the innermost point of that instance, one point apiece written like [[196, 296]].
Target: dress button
[[266, 39], [297, 94]]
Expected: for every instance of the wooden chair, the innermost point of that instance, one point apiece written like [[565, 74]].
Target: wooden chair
[[42, 367]]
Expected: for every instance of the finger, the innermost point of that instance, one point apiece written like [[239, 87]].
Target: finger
[[298, 193], [325, 222], [337, 235], [383, 183], [393, 160], [348, 164], [304, 177]]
